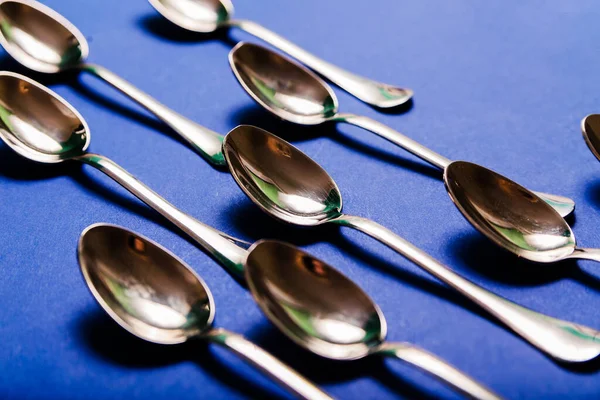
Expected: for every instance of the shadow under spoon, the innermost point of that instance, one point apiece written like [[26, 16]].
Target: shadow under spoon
[[157, 297], [290, 186], [209, 15], [293, 93], [44, 41]]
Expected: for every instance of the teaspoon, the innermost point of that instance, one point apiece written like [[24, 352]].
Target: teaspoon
[[157, 297], [323, 311], [295, 94], [40, 125], [43, 40], [290, 186], [209, 15]]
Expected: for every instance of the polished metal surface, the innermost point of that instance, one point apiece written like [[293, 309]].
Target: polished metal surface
[[208, 15], [512, 216], [280, 178], [295, 94], [157, 297], [313, 303], [40, 125], [290, 186], [509, 214], [44, 41], [147, 290], [323, 311]]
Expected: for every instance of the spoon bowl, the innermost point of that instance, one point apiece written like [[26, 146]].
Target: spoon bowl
[[145, 288], [37, 123], [313, 303], [280, 178], [204, 16], [509, 214], [40, 38], [293, 93]]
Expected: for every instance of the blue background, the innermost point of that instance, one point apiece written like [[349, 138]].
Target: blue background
[[504, 85]]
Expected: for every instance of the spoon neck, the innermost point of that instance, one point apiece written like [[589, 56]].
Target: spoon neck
[[268, 364], [243, 24], [437, 367], [395, 137], [229, 251], [588, 254], [203, 140]]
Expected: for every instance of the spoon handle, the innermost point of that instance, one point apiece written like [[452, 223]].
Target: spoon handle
[[229, 251], [395, 137], [437, 367], [563, 205], [261, 359], [206, 142], [586, 254], [371, 92], [565, 341]]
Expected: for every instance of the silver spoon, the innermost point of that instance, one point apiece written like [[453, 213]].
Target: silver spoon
[[40, 125], [295, 94], [209, 15], [289, 185], [45, 41], [157, 297], [323, 311]]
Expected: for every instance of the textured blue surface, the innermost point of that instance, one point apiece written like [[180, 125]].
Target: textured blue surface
[[504, 85]]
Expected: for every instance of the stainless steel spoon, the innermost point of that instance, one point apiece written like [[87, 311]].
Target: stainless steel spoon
[[293, 93], [157, 297], [209, 15], [40, 125], [45, 41], [289, 185], [323, 311]]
